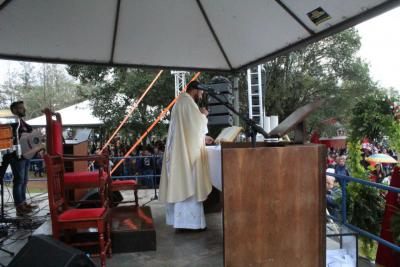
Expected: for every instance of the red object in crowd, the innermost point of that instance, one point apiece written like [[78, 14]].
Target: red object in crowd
[[386, 256], [330, 161], [315, 138]]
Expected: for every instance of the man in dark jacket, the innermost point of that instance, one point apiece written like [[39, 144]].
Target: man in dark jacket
[[340, 168]]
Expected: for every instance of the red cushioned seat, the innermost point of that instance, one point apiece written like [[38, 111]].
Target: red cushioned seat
[[123, 182], [119, 185], [67, 221], [82, 177], [81, 214]]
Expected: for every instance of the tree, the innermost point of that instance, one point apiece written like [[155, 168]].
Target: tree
[[27, 76], [114, 91], [328, 69], [372, 117], [40, 86], [9, 89]]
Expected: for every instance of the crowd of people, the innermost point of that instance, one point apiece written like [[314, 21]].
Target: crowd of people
[[145, 162], [336, 163]]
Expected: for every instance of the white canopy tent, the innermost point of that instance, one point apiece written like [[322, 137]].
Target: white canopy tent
[[224, 35], [78, 115]]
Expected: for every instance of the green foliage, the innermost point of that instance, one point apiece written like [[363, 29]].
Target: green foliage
[[372, 117], [394, 136], [40, 86], [353, 160], [370, 253], [115, 90], [365, 205], [328, 69], [365, 208]]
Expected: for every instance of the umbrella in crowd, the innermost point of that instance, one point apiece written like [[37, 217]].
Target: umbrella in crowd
[[381, 158]]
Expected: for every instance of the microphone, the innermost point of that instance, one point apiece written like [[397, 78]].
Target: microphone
[[207, 88]]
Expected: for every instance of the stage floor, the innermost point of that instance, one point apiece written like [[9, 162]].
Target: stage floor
[[173, 248]]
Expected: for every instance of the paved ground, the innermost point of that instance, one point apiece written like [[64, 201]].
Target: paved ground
[[22, 229], [173, 248]]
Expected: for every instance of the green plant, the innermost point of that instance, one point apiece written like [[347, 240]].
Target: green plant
[[353, 160], [365, 209], [394, 136], [365, 205], [372, 117]]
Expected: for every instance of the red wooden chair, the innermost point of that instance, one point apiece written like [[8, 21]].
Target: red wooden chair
[[64, 219], [76, 179], [120, 185]]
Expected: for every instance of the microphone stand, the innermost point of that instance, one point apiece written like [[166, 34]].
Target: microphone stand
[[253, 126]]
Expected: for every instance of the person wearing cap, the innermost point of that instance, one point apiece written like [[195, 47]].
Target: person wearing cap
[[185, 180]]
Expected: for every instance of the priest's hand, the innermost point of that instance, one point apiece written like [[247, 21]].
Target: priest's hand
[[204, 111], [209, 140]]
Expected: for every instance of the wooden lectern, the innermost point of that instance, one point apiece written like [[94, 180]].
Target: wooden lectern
[[274, 205], [76, 149]]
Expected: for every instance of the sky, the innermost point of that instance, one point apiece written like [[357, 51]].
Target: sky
[[380, 48]]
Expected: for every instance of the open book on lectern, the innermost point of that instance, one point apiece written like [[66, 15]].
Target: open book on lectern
[[294, 122], [228, 134]]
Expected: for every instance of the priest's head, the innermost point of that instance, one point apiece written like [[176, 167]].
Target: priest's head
[[193, 91]]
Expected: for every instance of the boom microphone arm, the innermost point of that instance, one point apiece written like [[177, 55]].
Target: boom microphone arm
[[253, 126]]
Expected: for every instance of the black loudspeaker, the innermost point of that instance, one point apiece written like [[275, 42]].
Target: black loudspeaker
[[44, 251], [220, 116]]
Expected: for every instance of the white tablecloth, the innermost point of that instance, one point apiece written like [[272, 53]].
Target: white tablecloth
[[214, 161]]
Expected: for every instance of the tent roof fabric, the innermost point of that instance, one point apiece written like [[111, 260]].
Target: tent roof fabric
[[73, 116], [223, 35]]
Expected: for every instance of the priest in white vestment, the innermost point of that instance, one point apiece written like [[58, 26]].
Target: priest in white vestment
[[185, 179]]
